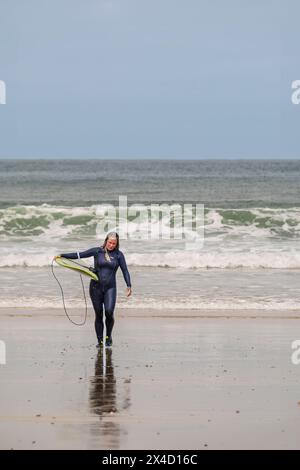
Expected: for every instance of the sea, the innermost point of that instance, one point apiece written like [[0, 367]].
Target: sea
[[250, 252]]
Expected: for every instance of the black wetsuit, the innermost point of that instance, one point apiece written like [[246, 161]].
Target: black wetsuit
[[104, 291]]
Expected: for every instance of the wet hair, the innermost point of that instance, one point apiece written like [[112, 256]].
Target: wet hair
[[111, 235]]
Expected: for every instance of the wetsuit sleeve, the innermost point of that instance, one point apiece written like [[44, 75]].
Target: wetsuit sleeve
[[124, 269], [82, 254]]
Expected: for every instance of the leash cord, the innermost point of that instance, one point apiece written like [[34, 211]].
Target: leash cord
[[63, 298]]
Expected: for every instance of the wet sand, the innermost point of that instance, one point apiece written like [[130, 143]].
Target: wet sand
[[173, 380]]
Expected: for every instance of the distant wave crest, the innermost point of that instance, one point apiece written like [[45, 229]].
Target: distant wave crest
[[45, 222]]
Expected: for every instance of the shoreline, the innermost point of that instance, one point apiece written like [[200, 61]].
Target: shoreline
[[33, 312]]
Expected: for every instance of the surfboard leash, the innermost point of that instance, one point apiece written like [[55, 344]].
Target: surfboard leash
[[63, 298]]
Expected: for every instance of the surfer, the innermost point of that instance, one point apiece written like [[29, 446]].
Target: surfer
[[107, 259]]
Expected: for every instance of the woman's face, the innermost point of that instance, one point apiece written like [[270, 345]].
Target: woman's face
[[111, 243]]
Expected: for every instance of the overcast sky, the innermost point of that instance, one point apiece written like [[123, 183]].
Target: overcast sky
[[149, 79]]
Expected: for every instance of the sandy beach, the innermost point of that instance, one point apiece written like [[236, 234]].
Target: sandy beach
[[169, 382]]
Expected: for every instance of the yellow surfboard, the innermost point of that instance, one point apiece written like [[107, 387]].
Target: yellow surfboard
[[75, 266]]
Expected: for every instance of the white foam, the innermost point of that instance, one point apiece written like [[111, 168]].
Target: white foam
[[157, 304], [226, 245], [260, 259], [281, 222]]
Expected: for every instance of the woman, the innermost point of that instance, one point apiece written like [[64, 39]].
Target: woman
[[107, 259]]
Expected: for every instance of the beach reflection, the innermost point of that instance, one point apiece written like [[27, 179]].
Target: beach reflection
[[105, 401]]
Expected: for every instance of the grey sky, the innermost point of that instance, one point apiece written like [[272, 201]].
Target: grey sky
[[149, 79]]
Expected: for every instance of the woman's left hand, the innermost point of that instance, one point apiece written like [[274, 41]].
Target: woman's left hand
[[129, 291]]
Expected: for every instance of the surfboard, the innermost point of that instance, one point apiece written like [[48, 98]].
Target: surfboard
[[75, 266]]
